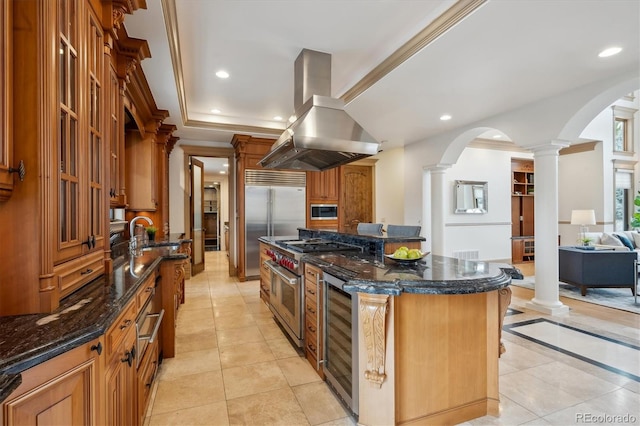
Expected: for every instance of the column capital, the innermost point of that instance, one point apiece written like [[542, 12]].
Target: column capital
[[436, 168], [552, 147]]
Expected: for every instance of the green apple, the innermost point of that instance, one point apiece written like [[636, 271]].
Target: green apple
[[401, 253]]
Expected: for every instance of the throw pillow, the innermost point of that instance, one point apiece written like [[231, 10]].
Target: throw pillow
[[628, 244], [610, 240], [636, 238]]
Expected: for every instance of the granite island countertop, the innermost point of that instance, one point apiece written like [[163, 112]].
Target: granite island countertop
[[431, 275], [28, 340]]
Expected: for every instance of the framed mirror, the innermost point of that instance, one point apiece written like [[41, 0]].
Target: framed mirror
[[470, 197]]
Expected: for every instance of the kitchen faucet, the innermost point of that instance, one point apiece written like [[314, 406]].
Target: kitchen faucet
[[132, 238]]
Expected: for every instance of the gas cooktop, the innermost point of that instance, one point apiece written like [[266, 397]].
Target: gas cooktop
[[317, 245]]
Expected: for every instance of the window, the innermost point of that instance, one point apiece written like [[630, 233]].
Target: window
[[623, 199], [623, 129]]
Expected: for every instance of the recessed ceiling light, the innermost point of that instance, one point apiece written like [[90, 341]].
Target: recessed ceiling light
[[225, 165], [215, 111], [445, 117], [222, 172], [292, 118], [497, 136], [610, 52], [222, 74], [277, 118]]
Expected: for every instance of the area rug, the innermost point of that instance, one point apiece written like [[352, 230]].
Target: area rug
[[617, 298]]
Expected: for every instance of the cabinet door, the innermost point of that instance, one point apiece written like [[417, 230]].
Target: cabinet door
[[61, 391], [141, 176], [528, 216], [6, 148], [121, 400], [323, 186], [356, 202], [81, 210]]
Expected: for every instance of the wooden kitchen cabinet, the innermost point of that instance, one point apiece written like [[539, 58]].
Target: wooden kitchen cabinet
[[323, 187], [313, 303], [6, 82], [120, 387], [248, 151], [265, 275], [172, 288], [141, 178], [65, 390]]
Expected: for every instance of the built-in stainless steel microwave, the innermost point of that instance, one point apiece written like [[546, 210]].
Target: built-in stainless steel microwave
[[324, 211]]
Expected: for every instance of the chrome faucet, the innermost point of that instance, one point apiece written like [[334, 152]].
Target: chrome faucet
[[133, 242]]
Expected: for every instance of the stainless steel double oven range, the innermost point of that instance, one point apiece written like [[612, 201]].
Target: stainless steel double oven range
[[286, 303]]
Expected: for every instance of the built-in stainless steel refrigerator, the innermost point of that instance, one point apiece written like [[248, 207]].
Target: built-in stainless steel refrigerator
[[275, 205]]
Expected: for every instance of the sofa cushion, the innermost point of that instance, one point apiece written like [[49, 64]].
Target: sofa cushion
[[609, 240], [623, 238], [636, 238]]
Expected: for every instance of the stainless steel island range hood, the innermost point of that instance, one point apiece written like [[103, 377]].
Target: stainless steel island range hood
[[324, 135]]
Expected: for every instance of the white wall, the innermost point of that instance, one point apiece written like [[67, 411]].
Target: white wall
[[488, 233], [581, 186], [586, 179], [389, 188], [176, 190]]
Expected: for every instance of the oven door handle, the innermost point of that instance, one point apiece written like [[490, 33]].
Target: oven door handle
[[151, 337], [283, 273]]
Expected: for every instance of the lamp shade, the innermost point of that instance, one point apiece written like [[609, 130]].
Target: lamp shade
[[583, 217]]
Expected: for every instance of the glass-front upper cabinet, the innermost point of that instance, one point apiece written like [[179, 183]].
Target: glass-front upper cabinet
[[80, 151]]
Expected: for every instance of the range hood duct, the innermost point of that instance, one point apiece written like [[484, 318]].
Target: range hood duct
[[324, 135]]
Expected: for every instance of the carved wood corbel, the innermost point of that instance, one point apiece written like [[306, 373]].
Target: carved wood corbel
[[504, 300], [373, 308]]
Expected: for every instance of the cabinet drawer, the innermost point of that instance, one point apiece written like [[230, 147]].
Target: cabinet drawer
[[312, 273], [311, 308], [75, 273], [310, 342], [146, 290], [120, 327], [310, 291], [146, 374]]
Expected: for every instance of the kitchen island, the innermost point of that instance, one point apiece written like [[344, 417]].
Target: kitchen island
[[428, 335]]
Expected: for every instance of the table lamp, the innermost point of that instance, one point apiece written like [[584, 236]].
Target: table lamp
[[583, 218]]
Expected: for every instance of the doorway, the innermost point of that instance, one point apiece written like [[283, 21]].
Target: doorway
[[219, 234]]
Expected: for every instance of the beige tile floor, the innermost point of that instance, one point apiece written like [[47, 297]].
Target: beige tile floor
[[235, 367]]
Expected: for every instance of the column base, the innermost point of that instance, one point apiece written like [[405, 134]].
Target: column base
[[559, 309]]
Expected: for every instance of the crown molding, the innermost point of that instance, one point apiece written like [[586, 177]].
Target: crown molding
[[482, 143], [171, 25], [233, 128]]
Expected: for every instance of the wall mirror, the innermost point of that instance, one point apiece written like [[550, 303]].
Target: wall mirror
[[470, 197]]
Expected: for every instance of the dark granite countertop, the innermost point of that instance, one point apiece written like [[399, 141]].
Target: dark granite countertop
[[28, 340], [430, 275], [354, 236]]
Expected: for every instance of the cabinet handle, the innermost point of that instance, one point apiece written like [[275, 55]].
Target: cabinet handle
[[128, 358], [149, 289], [312, 329], [311, 291], [310, 309], [311, 347], [88, 271], [126, 324], [20, 170], [97, 348], [91, 241]]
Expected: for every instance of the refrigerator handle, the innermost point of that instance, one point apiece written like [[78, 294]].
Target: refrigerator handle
[[270, 212]]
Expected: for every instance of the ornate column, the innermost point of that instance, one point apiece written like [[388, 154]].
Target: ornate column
[[438, 207], [546, 229]]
